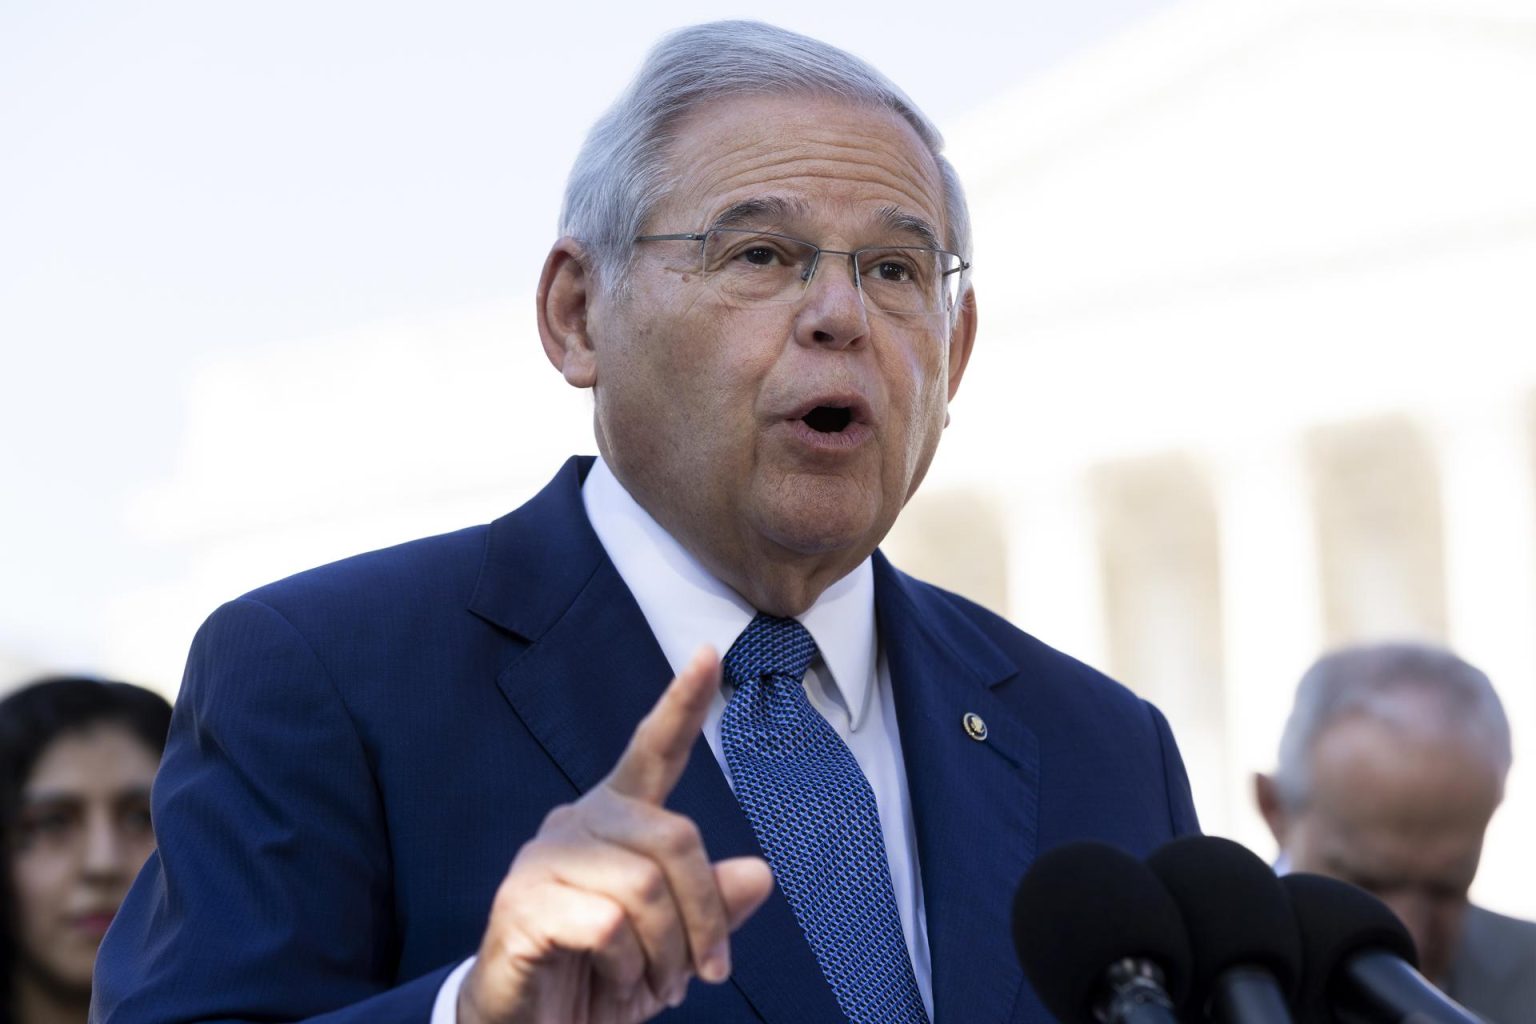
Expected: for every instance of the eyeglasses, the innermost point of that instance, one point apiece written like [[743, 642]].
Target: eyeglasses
[[759, 266]]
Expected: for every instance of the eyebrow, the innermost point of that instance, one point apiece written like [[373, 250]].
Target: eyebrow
[[764, 209], [55, 797], [773, 210], [907, 224]]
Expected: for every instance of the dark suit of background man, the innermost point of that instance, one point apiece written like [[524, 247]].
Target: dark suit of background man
[[361, 751], [1392, 762]]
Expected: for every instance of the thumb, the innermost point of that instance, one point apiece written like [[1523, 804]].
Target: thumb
[[744, 883]]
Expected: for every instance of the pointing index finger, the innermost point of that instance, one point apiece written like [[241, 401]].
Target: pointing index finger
[[658, 749]]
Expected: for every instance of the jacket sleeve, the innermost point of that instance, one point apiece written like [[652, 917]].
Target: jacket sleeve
[[1181, 802], [270, 895]]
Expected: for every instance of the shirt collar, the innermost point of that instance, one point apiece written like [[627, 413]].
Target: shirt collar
[[685, 605]]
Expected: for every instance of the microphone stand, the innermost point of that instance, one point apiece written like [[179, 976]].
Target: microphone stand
[[1248, 995], [1135, 994]]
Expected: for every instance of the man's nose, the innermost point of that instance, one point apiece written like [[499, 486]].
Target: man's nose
[[832, 312]]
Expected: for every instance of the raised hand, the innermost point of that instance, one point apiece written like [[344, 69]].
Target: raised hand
[[608, 911]]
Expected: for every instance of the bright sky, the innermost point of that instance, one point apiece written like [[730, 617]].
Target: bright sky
[[183, 179]]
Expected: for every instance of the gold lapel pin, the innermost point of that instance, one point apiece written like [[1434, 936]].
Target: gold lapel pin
[[975, 727]]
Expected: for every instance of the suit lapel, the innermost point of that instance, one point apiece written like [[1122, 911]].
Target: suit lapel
[[974, 802], [590, 673]]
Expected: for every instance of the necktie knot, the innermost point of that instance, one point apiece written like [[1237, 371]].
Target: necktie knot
[[770, 646]]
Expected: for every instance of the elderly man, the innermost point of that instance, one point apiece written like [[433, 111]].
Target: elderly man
[[763, 280], [1391, 764]]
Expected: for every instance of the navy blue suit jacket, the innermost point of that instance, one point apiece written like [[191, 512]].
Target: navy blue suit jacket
[[358, 752]]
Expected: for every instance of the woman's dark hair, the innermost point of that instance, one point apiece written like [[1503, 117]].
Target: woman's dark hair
[[31, 719]]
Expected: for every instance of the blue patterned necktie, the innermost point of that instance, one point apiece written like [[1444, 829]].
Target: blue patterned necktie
[[816, 819]]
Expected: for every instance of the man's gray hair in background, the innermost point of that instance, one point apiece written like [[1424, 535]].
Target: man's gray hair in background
[[620, 173], [1374, 680]]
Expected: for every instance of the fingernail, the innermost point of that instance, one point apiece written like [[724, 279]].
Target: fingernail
[[717, 964], [675, 999]]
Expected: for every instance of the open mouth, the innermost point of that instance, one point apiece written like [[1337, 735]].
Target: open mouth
[[828, 419]]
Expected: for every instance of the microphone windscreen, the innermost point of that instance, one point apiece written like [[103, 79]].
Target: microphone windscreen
[[1338, 920], [1235, 912], [1082, 907]]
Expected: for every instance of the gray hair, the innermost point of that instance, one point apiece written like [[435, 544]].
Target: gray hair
[[620, 174], [1372, 680]]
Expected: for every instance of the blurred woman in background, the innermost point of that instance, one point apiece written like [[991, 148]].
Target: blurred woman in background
[[77, 757]]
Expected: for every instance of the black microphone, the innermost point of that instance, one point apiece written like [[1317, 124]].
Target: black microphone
[[1360, 962], [1242, 932], [1099, 937]]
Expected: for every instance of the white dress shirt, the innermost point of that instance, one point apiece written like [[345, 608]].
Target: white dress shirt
[[848, 682]]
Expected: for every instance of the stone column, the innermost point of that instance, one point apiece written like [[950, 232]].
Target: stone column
[[1271, 611], [1487, 454]]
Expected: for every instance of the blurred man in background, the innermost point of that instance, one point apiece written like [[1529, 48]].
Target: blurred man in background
[[1392, 762]]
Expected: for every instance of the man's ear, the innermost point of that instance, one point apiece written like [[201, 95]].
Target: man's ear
[[961, 340], [1267, 795], [565, 297]]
